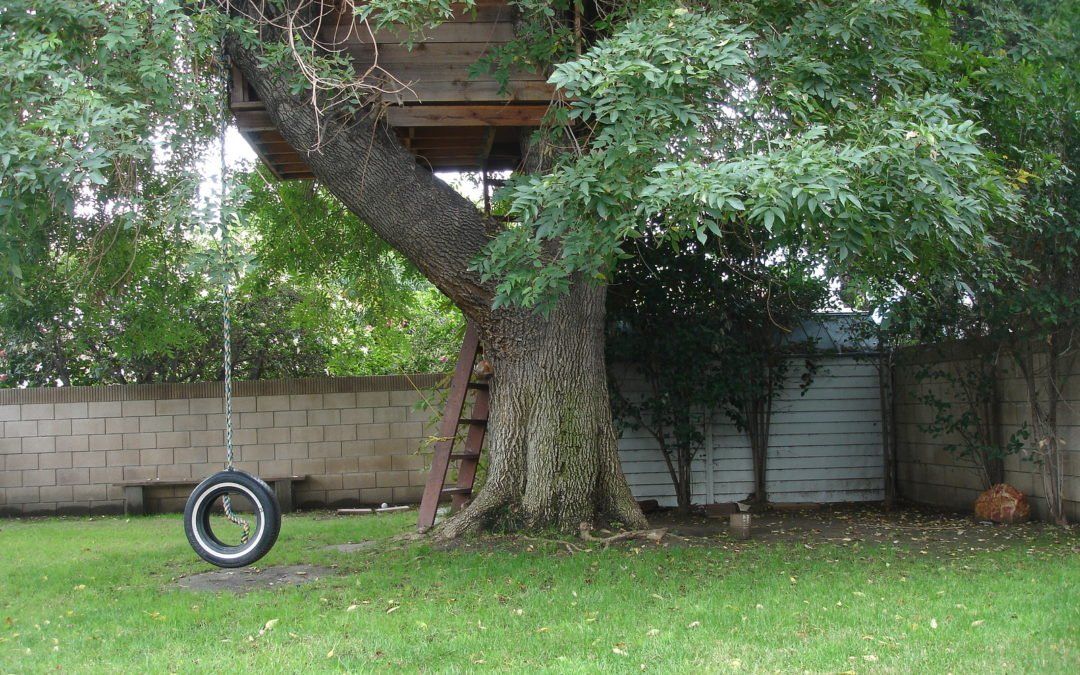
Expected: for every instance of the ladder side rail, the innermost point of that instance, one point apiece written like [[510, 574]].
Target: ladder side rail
[[455, 402], [474, 441]]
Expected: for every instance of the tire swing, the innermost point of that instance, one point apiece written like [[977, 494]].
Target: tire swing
[[217, 527]]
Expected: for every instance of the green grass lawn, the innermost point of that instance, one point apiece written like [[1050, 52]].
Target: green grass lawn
[[98, 595]]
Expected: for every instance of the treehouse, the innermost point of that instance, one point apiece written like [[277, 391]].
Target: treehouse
[[448, 120]]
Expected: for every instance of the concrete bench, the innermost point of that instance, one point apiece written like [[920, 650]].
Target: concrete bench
[[134, 491]]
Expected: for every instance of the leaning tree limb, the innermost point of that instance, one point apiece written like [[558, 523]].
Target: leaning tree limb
[[358, 158]]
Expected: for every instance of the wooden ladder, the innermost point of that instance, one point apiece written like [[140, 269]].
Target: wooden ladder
[[469, 457]]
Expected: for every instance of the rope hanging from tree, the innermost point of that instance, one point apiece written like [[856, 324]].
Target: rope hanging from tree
[[226, 296], [198, 522]]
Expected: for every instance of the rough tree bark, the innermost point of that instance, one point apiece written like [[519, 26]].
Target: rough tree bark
[[552, 445]]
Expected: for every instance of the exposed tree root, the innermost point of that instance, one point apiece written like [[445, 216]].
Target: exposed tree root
[[570, 546], [473, 517], [655, 536], [585, 534], [478, 514]]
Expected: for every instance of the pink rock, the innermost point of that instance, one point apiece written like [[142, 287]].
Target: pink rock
[[1002, 503]]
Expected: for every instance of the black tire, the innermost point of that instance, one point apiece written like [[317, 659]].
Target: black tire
[[267, 516]]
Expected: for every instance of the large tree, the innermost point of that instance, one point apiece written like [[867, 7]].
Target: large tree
[[817, 122]]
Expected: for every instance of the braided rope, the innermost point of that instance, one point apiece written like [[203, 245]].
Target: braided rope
[[226, 303]]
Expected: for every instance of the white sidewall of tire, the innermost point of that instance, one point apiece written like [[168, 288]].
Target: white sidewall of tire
[[195, 511]]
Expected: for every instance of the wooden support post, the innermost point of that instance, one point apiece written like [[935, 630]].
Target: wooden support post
[[133, 501], [283, 492]]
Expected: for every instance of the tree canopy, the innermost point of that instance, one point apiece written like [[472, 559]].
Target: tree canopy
[[854, 133], [147, 306], [109, 114], [821, 124], [836, 126]]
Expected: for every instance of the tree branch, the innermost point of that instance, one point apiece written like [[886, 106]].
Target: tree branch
[[359, 159]]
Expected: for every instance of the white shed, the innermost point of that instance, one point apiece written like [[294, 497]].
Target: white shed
[[825, 445]]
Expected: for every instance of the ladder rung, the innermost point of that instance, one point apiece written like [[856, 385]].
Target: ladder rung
[[457, 491], [478, 385], [473, 420], [465, 455]]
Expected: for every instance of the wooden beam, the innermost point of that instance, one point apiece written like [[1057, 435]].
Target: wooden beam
[[395, 58], [275, 146], [476, 145], [291, 167], [278, 152], [485, 149], [236, 106], [479, 91], [466, 115], [459, 72], [237, 87], [254, 120], [464, 134], [460, 32]]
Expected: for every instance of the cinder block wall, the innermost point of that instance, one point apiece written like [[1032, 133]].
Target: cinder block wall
[[358, 440], [927, 473]]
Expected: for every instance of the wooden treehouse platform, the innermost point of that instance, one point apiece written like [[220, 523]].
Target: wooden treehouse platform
[[447, 119]]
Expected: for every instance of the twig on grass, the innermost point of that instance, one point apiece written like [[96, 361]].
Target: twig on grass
[[655, 536]]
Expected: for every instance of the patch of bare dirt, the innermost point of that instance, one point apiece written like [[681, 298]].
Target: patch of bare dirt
[[247, 579], [908, 527]]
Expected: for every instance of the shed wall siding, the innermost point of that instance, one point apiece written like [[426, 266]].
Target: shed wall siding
[[825, 445]]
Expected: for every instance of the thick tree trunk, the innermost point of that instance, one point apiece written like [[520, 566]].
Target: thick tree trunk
[[553, 456], [552, 445]]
